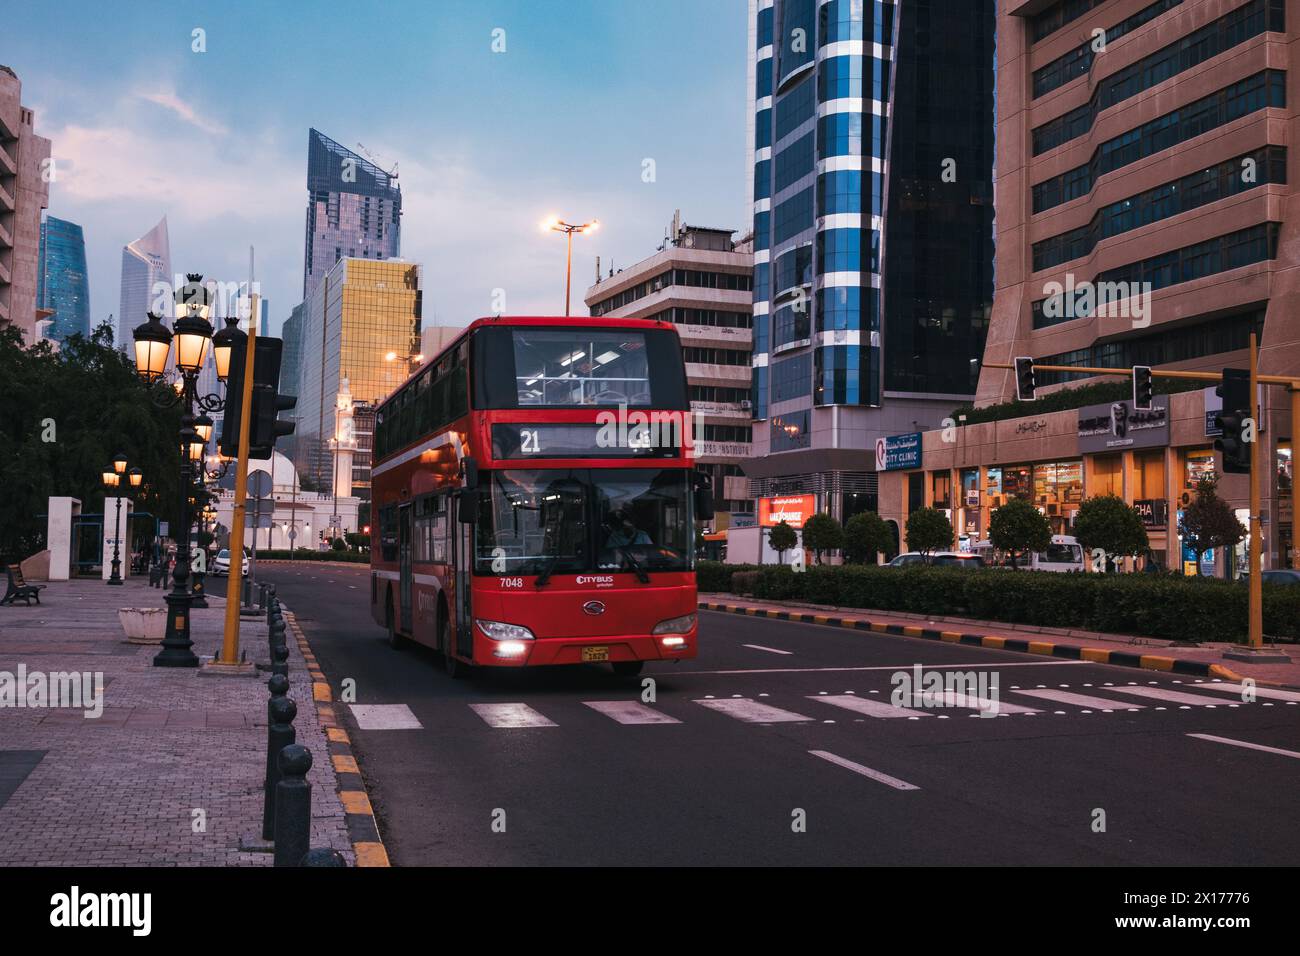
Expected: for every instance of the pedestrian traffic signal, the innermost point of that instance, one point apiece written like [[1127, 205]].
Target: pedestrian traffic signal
[[264, 425], [1143, 387], [1235, 421], [1025, 384]]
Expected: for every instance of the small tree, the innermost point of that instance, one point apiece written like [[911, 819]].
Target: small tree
[[339, 545], [357, 541], [782, 539], [1018, 527], [1208, 522], [866, 534], [1107, 524], [821, 533], [928, 529]]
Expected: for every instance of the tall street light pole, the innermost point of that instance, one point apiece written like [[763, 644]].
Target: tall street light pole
[[554, 224]]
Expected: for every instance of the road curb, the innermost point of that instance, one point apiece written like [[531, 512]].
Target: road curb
[[1094, 655], [359, 815]]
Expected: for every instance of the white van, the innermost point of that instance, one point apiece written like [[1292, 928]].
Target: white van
[[1063, 554]]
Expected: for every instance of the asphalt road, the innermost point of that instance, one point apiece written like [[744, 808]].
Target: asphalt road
[[1111, 776]]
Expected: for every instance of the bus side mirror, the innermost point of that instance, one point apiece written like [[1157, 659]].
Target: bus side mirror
[[469, 473], [704, 503], [467, 505]]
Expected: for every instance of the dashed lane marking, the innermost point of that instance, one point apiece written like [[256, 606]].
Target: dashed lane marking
[[770, 650], [858, 768], [1247, 744]]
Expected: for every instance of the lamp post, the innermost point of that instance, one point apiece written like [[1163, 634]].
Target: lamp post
[[188, 341], [554, 224], [112, 478]]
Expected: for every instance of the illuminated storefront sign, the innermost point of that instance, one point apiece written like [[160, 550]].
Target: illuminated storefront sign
[[794, 510]]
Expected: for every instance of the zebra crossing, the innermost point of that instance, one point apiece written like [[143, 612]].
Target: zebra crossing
[[1016, 701]]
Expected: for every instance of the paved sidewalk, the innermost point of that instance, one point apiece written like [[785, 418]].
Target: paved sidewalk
[[1104, 648], [170, 774]]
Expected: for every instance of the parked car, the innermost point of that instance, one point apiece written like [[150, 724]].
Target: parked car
[[221, 563], [1063, 554], [943, 559], [1277, 576]]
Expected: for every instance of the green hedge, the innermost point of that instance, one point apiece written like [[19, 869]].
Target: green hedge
[[1166, 606], [716, 576], [308, 554]]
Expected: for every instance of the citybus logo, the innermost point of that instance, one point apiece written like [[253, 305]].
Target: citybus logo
[[594, 579]]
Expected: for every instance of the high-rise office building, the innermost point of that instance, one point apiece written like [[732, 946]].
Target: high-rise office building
[[700, 280], [63, 288], [354, 210], [144, 262], [872, 155], [1159, 157], [291, 358], [360, 313], [24, 191]]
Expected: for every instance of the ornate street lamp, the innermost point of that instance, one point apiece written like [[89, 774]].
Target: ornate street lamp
[[191, 334], [112, 478], [224, 344], [119, 463]]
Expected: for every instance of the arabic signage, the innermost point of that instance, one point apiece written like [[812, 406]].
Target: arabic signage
[[794, 510], [898, 451], [1119, 425]]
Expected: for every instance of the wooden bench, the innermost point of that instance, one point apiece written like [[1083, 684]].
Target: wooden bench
[[19, 589]]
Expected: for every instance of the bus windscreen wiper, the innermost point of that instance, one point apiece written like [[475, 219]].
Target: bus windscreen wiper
[[545, 576], [636, 565]]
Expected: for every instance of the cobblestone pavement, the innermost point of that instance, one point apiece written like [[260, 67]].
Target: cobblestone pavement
[[170, 773]]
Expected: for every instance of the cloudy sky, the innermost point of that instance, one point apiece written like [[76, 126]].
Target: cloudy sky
[[488, 144]]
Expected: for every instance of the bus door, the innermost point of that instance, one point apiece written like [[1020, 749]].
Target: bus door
[[404, 566], [462, 562]]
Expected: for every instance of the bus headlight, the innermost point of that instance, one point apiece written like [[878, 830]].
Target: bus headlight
[[510, 649], [675, 625], [497, 631]]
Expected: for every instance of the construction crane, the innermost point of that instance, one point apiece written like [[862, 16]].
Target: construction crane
[[392, 173]]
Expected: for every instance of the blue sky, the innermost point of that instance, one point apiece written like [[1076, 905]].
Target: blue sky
[[488, 144]]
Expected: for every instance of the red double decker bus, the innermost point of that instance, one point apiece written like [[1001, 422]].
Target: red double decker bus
[[534, 498]]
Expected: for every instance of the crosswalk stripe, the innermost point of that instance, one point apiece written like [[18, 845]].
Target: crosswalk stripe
[[751, 711], [511, 715], [975, 702], [864, 771], [1171, 696], [1266, 692], [770, 650], [867, 706], [1081, 700], [385, 717], [630, 712]]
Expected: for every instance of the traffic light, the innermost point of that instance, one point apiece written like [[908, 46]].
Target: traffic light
[[264, 425], [1143, 387], [1235, 392], [1025, 383]]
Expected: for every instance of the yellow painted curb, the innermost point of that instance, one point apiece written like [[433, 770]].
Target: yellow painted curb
[[951, 636], [356, 801], [1041, 647], [989, 640], [371, 854], [1097, 655], [911, 631], [321, 691], [1152, 662], [336, 735], [344, 764]]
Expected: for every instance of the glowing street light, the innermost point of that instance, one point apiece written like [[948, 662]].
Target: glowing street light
[[555, 224]]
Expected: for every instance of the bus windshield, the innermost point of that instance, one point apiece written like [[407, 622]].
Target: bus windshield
[[566, 521]]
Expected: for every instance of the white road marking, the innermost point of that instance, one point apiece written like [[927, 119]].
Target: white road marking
[[872, 708], [511, 715], [385, 717], [770, 650], [1235, 689], [875, 775], [883, 667], [752, 712], [1172, 696], [1247, 744], [630, 712], [975, 702], [1081, 700]]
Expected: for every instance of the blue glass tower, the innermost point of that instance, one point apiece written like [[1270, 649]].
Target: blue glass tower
[[62, 285], [872, 155]]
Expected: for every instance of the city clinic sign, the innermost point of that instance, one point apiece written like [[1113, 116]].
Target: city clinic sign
[[794, 510], [898, 451]]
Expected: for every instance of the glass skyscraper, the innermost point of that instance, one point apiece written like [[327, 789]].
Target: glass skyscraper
[[144, 262], [872, 156], [354, 210], [62, 285]]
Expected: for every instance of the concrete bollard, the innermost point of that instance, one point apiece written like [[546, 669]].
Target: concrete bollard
[[293, 806], [279, 734], [323, 856], [280, 660]]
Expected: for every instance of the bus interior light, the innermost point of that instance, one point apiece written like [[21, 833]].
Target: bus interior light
[[675, 625]]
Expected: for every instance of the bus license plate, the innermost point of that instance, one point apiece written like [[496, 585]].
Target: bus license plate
[[595, 653]]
